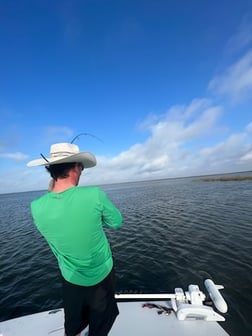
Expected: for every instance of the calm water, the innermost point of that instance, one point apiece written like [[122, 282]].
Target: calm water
[[175, 232]]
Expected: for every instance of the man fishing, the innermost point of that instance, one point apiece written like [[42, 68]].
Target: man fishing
[[71, 219]]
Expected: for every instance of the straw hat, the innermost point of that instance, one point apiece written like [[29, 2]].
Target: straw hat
[[63, 153]]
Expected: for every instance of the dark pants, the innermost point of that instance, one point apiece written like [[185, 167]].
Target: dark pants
[[93, 305]]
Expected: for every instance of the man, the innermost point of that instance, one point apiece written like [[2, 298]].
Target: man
[[71, 219]]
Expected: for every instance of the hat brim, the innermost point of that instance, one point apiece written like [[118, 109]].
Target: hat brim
[[87, 159]]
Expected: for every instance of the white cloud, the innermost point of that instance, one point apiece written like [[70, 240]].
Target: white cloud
[[236, 81], [247, 157], [166, 152], [182, 122], [18, 156], [25, 180], [228, 150], [163, 154]]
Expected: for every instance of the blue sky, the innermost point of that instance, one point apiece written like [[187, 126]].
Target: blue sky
[[165, 84]]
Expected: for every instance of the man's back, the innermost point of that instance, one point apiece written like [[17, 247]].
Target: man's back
[[71, 222]]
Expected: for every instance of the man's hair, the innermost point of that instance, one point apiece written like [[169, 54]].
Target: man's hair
[[60, 170]]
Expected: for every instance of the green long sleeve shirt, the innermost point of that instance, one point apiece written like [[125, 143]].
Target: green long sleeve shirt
[[72, 223]]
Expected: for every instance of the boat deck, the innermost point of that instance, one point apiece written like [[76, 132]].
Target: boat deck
[[133, 320]]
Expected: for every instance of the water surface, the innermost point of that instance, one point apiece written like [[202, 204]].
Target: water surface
[[176, 232]]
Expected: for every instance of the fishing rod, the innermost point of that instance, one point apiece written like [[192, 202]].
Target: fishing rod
[[92, 135]]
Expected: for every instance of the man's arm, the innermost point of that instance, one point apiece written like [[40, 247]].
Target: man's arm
[[111, 216]]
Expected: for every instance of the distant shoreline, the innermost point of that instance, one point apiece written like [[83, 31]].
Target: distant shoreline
[[224, 178]]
